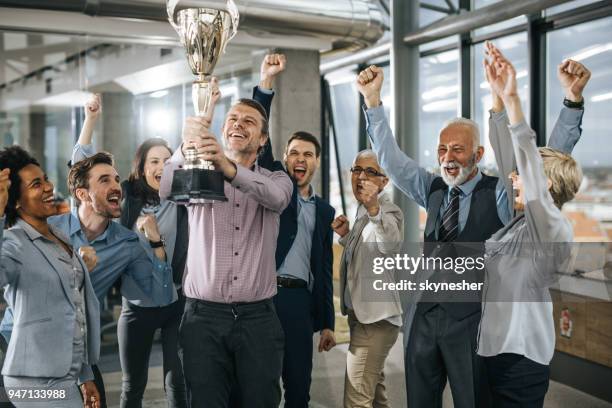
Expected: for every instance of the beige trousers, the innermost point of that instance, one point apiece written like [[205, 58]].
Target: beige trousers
[[368, 349]]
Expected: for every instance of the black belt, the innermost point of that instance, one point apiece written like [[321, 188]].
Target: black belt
[[291, 283]]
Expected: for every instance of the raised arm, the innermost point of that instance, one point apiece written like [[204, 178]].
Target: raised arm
[[152, 275], [273, 191], [84, 147], [271, 66], [545, 222], [573, 78], [403, 171], [10, 250], [499, 135]]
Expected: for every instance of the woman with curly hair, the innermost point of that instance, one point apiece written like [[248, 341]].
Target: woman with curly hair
[[56, 335]]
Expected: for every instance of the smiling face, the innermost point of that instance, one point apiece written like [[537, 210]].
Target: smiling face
[[154, 165], [457, 154], [302, 161], [367, 162], [36, 194], [242, 131], [104, 191]]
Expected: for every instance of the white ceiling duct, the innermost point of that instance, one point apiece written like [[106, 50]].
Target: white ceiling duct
[[344, 23]]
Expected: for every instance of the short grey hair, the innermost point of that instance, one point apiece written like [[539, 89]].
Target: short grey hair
[[464, 122], [369, 153]]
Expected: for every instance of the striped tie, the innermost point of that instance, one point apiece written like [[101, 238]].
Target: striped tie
[[450, 219]]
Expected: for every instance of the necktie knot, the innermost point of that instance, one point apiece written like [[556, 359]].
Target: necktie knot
[[455, 191]]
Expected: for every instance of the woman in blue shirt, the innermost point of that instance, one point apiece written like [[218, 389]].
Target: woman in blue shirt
[[137, 325]]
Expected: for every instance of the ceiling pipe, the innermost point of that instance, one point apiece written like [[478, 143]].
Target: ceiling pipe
[[348, 23], [452, 25], [467, 21]]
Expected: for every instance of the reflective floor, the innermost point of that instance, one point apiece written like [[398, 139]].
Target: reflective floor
[[328, 382]]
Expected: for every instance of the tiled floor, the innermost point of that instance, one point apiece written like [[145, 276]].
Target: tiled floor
[[328, 383]]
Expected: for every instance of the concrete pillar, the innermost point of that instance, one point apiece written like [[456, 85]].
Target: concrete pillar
[[297, 102], [405, 86], [118, 132], [405, 123], [35, 143], [2, 60]]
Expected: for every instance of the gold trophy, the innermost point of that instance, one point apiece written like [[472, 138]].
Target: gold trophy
[[204, 33]]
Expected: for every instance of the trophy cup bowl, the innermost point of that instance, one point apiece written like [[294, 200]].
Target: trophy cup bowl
[[204, 33]]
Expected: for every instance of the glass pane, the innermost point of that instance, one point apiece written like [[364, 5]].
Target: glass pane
[[346, 110], [568, 6], [591, 44], [513, 22], [439, 89], [427, 16], [454, 39], [146, 92], [515, 49]]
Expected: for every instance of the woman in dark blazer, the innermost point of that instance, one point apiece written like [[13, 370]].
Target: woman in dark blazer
[[56, 335]]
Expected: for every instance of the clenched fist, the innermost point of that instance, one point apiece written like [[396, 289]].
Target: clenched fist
[[5, 183], [194, 129], [91, 396], [147, 224], [341, 225], [327, 340], [573, 77], [271, 66], [89, 256], [93, 107], [368, 196], [369, 84]]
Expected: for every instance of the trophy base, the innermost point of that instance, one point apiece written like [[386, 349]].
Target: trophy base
[[197, 186]]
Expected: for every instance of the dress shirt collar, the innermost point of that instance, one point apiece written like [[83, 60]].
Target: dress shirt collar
[[467, 187], [311, 195], [34, 235], [113, 232]]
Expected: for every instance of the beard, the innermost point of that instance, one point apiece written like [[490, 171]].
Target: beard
[[464, 171]]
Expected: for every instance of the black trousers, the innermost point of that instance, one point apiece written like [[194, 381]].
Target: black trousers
[[516, 381], [231, 345], [294, 313], [439, 347], [135, 331]]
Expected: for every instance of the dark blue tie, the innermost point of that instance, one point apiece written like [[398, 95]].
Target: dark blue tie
[[449, 229]]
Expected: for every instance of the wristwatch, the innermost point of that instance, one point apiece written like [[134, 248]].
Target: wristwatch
[[158, 244], [572, 104]]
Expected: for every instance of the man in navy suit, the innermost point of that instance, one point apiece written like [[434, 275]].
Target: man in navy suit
[[304, 258]]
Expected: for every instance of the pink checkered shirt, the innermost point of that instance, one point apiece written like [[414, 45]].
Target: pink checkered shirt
[[232, 244]]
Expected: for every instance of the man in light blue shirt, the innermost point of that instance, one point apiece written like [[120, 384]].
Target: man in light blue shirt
[[109, 249]]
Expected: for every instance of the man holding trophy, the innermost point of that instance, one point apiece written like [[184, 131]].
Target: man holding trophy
[[230, 335]]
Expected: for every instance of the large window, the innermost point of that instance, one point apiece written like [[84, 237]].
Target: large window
[[439, 89], [591, 44], [146, 92], [514, 48], [346, 111]]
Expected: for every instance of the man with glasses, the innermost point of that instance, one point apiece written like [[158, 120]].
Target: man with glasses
[[374, 319]]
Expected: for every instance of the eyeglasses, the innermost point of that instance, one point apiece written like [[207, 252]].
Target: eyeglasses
[[370, 172]]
